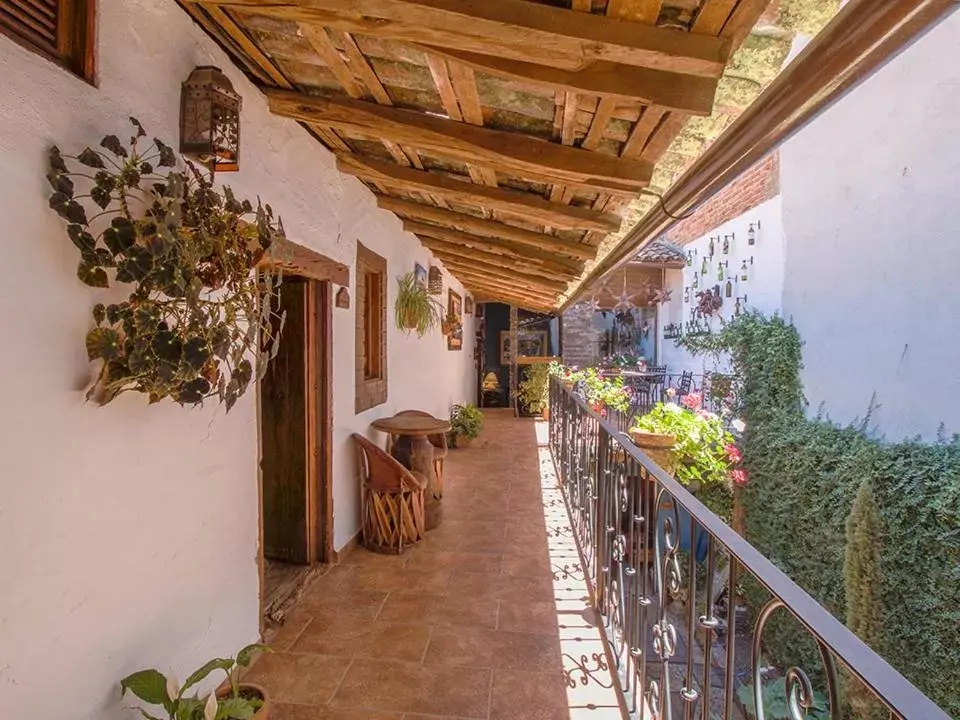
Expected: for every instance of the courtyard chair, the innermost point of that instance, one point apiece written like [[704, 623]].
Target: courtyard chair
[[439, 442], [683, 386], [393, 500]]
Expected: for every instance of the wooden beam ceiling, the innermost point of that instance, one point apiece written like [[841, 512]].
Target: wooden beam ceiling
[[500, 149], [525, 205], [485, 228], [508, 262], [687, 93], [521, 253], [495, 266], [516, 29]]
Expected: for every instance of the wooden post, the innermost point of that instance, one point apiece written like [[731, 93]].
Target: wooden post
[[513, 359]]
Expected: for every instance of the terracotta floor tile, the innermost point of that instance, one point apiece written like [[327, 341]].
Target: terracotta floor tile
[[440, 610], [397, 580], [414, 688], [290, 630], [301, 679], [325, 636], [475, 647], [456, 562], [525, 616], [528, 696], [307, 712], [499, 586]]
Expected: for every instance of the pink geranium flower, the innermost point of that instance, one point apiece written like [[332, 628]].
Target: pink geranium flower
[[733, 452], [693, 400], [739, 477]]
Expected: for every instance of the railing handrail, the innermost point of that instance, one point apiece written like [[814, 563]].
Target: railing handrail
[[889, 685]]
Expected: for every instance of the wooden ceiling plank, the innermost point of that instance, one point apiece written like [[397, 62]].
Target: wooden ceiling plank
[[496, 247], [473, 254], [515, 273], [599, 124], [661, 138], [568, 136], [642, 11], [581, 5], [486, 228], [441, 78], [689, 93], [317, 36], [513, 151], [502, 286], [486, 293], [521, 30], [522, 204], [465, 89], [201, 17], [238, 35], [712, 17], [641, 132], [333, 141]]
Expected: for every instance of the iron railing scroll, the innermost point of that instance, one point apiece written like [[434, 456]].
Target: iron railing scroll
[[661, 564]]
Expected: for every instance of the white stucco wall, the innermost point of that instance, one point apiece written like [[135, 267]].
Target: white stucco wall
[[128, 534], [870, 196], [763, 288]]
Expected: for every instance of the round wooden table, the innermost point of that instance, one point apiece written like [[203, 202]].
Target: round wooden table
[[414, 450]]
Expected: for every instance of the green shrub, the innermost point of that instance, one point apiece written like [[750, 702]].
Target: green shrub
[[466, 421], [805, 475]]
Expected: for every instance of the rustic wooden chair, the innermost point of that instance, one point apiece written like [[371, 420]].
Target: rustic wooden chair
[[393, 500], [439, 442]]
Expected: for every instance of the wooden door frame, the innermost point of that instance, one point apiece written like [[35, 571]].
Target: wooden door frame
[[318, 364]]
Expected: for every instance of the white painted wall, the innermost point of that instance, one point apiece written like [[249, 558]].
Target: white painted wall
[[128, 534], [763, 288], [870, 199]]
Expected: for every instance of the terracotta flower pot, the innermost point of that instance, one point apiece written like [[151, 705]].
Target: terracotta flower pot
[[460, 441], [251, 690], [658, 446], [545, 412]]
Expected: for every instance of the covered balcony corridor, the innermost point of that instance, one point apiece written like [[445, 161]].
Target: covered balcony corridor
[[490, 617]]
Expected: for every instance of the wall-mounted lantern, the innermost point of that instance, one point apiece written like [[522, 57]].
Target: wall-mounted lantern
[[435, 280], [210, 120]]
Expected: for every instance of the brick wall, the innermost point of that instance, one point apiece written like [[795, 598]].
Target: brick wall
[[757, 185], [580, 339]]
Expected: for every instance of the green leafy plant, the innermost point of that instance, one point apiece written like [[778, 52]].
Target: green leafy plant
[[534, 390], [415, 308], [776, 704], [704, 450], [198, 321], [466, 421], [156, 689]]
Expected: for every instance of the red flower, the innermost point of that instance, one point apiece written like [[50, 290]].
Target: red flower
[[693, 400], [733, 452], [739, 477]]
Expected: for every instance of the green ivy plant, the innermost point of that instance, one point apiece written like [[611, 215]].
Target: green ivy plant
[[198, 321], [466, 421], [534, 390], [156, 689], [776, 705], [415, 308]]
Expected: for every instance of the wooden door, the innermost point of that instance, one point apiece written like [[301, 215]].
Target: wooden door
[[285, 447]]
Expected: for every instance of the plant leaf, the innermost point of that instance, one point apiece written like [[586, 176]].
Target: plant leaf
[[187, 708], [103, 343], [200, 673], [75, 213], [91, 158], [99, 313], [55, 160], [167, 156], [84, 241], [245, 656], [136, 123], [148, 685], [100, 196], [113, 144], [235, 709], [92, 275], [61, 183]]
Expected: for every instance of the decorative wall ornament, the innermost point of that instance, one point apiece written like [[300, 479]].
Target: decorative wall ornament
[[686, 293], [420, 273], [711, 249], [726, 244], [720, 271], [468, 305], [435, 281], [744, 274], [703, 265], [342, 299], [709, 302], [728, 289], [659, 296], [210, 120], [752, 233], [672, 331], [689, 258], [454, 321], [696, 281]]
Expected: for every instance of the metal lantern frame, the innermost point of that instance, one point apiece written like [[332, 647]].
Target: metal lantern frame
[[210, 119]]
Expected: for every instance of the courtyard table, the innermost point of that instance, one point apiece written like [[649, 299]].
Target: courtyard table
[[415, 451]]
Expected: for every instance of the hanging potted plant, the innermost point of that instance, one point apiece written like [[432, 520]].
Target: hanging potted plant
[[415, 309], [199, 321], [233, 701]]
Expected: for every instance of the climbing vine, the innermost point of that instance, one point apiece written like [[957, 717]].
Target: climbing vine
[[805, 475]]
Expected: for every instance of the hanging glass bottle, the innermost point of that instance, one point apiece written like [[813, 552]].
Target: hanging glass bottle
[[736, 307], [689, 258], [686, 294], [710, 250], [728, 289], [726, 244], [743, 272], [703, 266], [696, 281], [720, 271], [752, 235]]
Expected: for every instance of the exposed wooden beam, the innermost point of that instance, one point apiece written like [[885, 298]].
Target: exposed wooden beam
[[497, 148], [317, 36], [561, 265], [486, 294], [644, 11], [641, 132], [689, 93], [502, 271], [525, 205], [486, 228], [520, 30], [535, 266], [598, 125], [501, 286], [441, 78], [240, 37]]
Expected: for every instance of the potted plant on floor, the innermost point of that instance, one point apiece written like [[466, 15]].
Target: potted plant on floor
[[233, 701], [534, 390], [466, 422], [415, 309]]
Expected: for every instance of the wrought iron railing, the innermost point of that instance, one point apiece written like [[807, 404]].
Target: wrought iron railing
[[678, 638]]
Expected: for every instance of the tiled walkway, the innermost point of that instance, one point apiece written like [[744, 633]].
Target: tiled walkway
[[486, 619]]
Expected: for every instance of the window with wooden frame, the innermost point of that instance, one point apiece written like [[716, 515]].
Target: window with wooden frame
[[371, 326], [60, 30]]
